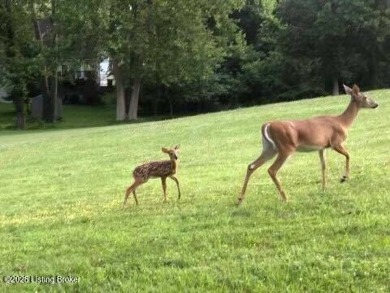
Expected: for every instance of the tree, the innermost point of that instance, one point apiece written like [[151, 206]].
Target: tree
[[51, 33], [260, 66], [43, 16], [17, 54], [166, 42], [307, 48], [334, 40]]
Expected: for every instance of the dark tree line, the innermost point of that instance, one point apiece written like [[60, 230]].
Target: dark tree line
[[171, 57], [299, 49]]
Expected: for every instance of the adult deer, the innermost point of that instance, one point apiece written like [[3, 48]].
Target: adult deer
[[156, 169], [283, 138]]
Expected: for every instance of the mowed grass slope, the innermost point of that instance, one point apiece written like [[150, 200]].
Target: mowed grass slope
[[61, 213]]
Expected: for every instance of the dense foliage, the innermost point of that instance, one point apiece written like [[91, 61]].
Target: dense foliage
[[192, 56], [307, 48]]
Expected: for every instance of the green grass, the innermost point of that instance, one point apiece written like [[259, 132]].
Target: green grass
[[61, 194], [74, 116]]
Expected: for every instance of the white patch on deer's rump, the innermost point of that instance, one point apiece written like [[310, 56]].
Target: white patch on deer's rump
[[267, 137]]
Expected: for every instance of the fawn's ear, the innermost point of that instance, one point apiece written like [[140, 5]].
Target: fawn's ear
[[355, 89], [347, 89], [177, 147], [164, 150]]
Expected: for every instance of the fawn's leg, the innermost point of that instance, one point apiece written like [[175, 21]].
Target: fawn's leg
[[341, 150], [265, 156], [323, 168], [164, 185], [177, 183], [135, 197], [130, 189], [281, 158]]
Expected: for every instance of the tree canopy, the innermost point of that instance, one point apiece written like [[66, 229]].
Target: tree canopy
[[219, 54]]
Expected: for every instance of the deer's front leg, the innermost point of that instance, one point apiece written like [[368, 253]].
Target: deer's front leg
[[341, 150], [273, 170], [131, 189], [323, 168], [164, 186], [177, 184]]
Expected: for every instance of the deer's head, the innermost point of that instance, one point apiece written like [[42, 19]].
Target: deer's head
[[360, 98], [173, 152]]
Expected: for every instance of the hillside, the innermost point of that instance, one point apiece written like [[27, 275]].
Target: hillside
[[61, 194]]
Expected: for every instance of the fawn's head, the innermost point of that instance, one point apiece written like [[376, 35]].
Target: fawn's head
[[360, 98], [173, 152]]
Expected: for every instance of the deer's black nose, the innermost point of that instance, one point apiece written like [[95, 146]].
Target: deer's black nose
[[376, 106]]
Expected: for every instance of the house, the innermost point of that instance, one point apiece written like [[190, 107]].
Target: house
[[3, 95]]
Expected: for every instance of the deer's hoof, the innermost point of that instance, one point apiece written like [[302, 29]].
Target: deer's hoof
[[343, 179], [239, 201]]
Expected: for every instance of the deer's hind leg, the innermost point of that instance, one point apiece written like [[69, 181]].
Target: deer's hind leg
[[273, 170], [131, 189], [267, 154], [135, 197]]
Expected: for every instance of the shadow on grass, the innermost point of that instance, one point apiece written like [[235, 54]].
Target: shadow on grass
[[74, 116]]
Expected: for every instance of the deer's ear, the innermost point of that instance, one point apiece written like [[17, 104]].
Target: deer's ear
[[177, 147], [355, 89], [164, 150], [347, 89]]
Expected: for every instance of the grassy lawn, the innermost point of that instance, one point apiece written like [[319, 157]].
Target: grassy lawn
[[75, 116], [61, 194]]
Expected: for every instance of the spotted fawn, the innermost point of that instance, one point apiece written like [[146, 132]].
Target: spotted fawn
[[156, 169]]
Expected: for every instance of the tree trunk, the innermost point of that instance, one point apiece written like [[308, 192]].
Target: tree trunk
[[133, 110], [50, 76], [120, 92], [47, 112], [18, 83], [20, 119], [54, 95], [335, 90], [49, 92]]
